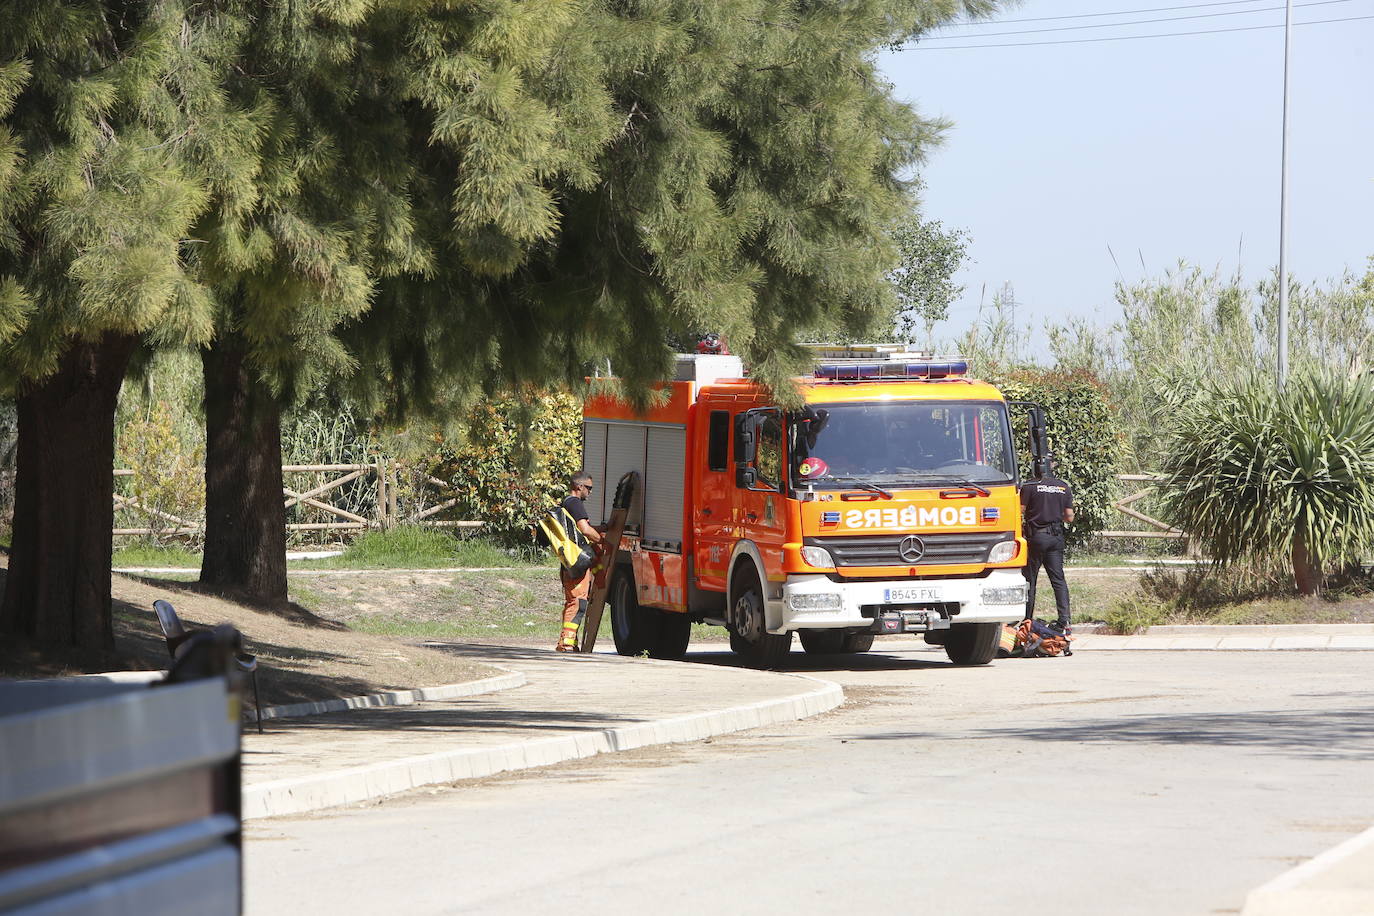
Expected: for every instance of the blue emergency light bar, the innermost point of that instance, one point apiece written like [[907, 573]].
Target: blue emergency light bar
[[870, 370]]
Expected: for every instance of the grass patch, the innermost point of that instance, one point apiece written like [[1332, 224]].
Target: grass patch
[[415, 547], [1233, 596], [145, 554], [544, 625], [307, 597]]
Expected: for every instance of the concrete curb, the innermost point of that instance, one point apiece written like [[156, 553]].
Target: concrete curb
[[1268, 629], [1313, 888], [505, 681], [358, 784]]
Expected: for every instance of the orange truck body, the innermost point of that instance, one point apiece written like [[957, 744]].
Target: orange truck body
[[891, 547]]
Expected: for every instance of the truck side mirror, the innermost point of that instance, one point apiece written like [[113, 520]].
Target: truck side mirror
[[746, 438], [1039, 440]]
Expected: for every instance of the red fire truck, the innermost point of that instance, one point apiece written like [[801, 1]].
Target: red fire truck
[[886, 504]]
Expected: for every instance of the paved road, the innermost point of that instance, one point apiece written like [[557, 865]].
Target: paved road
[[1112, 782]]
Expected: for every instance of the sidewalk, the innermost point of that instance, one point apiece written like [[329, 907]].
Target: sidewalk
[[569, 706]]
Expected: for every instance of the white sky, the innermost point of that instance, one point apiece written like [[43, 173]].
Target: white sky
[[1162, 148]]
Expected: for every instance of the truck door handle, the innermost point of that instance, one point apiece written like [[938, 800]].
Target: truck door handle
[[751, 516], [706, 511]]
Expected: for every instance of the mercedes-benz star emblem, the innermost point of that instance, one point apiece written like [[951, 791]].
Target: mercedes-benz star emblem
[[912, 548]]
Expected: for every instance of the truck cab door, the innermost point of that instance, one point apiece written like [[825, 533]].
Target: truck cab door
[[761, 510]]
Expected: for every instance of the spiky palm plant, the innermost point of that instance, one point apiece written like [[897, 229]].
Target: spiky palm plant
[[1254, 472]]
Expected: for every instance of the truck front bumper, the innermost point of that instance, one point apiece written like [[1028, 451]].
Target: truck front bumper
[[819, 602]]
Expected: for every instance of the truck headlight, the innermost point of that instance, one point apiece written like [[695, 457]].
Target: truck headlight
[[1015, 594], [815, 601], [818, 557], [1002, 551]]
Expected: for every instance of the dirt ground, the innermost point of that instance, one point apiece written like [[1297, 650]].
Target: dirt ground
[[301, 656], [354, 632]]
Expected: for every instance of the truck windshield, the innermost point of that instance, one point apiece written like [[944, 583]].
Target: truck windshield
[[905, 442]]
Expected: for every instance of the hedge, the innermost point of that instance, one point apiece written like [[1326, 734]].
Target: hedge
[[1086, 438]]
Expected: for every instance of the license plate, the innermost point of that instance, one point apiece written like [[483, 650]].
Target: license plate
[[910, 595]]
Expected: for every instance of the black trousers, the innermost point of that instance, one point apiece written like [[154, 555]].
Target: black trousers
[[1047, 549]]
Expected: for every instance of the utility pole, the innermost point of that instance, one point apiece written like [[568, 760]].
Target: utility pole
[[1283, 203]]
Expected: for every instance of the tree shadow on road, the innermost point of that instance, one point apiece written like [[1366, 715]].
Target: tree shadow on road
[[1322, 734]]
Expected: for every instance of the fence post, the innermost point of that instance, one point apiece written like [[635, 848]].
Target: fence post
[[391, 493], [381, 492]]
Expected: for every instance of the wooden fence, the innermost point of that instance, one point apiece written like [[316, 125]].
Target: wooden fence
[[384, 475], [1144, 487]]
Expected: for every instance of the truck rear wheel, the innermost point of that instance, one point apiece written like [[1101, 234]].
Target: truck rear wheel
[[759, 648], [633, 627], [673, 633], [858, 642], [973, 643]]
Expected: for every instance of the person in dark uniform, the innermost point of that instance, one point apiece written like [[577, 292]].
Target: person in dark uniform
[[1047, 505], [576, 588]]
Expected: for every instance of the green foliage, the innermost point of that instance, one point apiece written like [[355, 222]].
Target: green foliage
[[923, 281], [1192, 324], [103, 173], [514, 461], [319, 432], [1085, 437], [167, 488], [726, 165], [1255, 473], [1134, 613]]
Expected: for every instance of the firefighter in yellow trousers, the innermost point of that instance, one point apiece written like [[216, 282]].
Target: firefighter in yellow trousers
[[577, 583]]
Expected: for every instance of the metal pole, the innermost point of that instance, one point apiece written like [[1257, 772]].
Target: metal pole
[[1283, 203]]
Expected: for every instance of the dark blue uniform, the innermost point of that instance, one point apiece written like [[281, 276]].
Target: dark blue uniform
[[1044, 501]]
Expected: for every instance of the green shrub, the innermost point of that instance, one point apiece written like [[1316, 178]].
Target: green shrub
[[1254, 474], [1085, 437], [513, 462], [1135, 612], [167, 487]]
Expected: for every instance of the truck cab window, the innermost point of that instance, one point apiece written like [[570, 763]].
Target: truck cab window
[[768, 460], [718, 441]]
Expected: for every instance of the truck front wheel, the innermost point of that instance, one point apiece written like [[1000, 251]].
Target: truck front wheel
[[748, 637], [972, 643]]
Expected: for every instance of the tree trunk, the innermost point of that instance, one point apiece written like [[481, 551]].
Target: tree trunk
[[57, 591], [1305, 572], [245, 515]]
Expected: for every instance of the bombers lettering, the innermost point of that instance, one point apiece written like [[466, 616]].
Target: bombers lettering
[[1050, 488], [911, 517]]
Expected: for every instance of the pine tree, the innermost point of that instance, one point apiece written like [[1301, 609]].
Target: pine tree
[[102, 174], [754, 172]]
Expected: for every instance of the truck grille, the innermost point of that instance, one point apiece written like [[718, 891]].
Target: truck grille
[[885, 549]]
